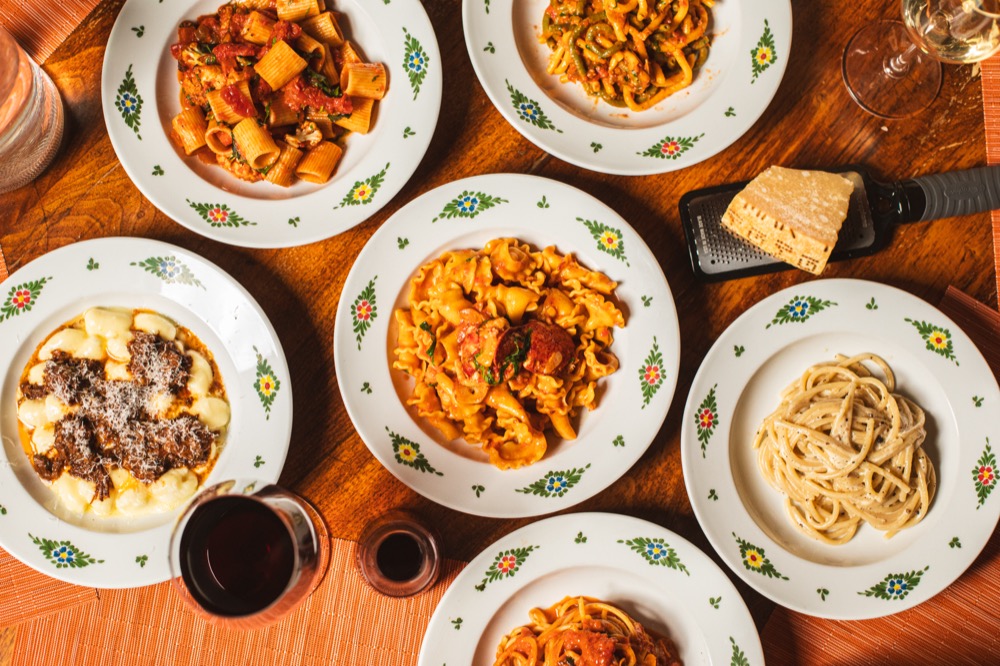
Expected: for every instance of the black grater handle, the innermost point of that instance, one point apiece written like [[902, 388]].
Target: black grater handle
[[960, 192]]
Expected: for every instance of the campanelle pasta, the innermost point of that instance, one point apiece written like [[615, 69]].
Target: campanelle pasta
[[122, 412], [505, 343], [267, 84]]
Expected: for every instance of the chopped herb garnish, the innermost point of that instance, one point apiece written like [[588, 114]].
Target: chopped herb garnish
[[484, 372], [237, 155], [318, 80], [516, 357], [264, 171], [424, 326], [334, 117]]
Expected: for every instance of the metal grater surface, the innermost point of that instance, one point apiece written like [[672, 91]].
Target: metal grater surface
[[719, 251]]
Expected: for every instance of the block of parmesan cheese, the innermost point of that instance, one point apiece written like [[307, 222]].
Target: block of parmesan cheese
[[791, 214]]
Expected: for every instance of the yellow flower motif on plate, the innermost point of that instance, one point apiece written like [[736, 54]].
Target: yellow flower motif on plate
[[362, 192], [938, 338], [609, 239]]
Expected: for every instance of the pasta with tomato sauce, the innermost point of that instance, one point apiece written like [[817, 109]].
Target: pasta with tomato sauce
[[505, 344], [630, 53], [586, 632], [270, 89]]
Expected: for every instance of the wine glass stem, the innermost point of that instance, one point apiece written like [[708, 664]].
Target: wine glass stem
[[898, 66]]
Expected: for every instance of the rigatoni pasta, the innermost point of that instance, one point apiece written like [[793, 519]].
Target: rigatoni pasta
[[191, 128], [272, 85], [317, 164]]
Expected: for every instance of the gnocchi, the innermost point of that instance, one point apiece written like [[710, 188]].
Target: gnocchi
[[122, 412]]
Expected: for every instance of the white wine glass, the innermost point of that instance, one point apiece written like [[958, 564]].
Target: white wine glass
[[892, 69]]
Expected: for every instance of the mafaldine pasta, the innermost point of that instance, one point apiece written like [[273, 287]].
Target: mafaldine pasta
[[506, 344]]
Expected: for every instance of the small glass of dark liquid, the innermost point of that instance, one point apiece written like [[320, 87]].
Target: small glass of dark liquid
[[398, 556], [245, 553]]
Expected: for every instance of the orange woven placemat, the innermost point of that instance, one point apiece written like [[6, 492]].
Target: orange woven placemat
[[343, 622], [41, 32], [27, 594]]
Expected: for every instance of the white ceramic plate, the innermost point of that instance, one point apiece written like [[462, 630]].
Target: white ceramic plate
[[658, 577], [140, 93], [132, 273], [467, 214], [738, 384], [751, 44]]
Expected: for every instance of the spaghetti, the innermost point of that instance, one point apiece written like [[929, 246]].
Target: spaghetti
[[584, 631], [844, 448], [632, 53]]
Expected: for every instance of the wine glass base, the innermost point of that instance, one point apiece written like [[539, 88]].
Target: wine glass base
[[873, 83]]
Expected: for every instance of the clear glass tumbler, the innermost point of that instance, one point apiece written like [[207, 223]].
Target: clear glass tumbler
[[245, 553], [398, 556], [31, 116]]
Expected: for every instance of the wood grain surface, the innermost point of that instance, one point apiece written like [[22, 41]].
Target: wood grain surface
[[812, 122]]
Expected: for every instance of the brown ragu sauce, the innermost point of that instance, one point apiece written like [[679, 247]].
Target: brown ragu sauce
[[141, 424]]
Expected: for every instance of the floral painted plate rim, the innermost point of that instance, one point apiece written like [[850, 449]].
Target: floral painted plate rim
[[750, 51], [653, 573], [138, 89], [134, 272], [766, 348], [466, 214]]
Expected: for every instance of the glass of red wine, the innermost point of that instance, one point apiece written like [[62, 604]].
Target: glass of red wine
[[245, 553], [397, 555]]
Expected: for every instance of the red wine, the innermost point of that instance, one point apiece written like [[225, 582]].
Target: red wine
[[399, 557], [236, 556]]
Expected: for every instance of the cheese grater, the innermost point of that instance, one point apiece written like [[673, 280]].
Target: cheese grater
[[874, 209]]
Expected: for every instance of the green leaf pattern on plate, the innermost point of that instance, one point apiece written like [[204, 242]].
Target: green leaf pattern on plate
[[984, 474], [266, 384], [755, 560], [555, 484], [219, 215], [169, 269], [128, 101], [609, 239], [63, 554], [407, 452], [364, 311], [656, 552], [468, 204], [528, 110], [895, 586], [651, 374], [707, 419], [799, 309], [363, 191], [506, 564], [22, 297], [937, 339], [763, 55], [414, 61]]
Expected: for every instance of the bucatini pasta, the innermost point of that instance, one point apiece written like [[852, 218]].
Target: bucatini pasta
[[506, 343], [259, 76]]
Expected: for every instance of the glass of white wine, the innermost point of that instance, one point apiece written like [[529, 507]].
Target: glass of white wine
[[893, 68]]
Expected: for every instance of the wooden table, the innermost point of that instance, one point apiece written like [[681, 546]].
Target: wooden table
[[812, 122]]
